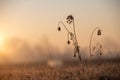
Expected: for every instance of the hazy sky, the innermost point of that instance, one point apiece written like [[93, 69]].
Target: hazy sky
[[36, 20]]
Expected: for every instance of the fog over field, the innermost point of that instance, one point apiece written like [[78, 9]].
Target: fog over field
[[19, 50], [59, 39]]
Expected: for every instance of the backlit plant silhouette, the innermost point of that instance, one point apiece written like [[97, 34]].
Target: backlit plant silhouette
[[92, 48], [71, 36]]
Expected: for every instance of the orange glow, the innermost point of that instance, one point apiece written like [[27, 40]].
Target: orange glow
[[31, 26], [2, 39]]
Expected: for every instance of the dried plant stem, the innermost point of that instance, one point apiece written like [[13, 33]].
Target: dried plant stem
[[71, 35], [74, 32], [76, 45], [90, 43], [60, 22]]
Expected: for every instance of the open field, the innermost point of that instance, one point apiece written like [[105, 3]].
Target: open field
[[72, 70]]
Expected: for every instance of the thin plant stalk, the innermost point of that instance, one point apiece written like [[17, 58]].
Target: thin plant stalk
[[76, 45], [60, 22], [74, 32], [70, 35], [91, 37]]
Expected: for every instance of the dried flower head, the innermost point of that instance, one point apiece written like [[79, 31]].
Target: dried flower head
[[59, 29], [71, 36], [69, 19], [68, 42], [100, 53], [92, 48], [99, 32], [77, 50], [74, 55]]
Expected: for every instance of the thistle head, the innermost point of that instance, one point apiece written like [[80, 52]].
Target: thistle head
[[99, 32], [70, 19]]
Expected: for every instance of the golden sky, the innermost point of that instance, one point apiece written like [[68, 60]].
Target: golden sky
[[36, 20]]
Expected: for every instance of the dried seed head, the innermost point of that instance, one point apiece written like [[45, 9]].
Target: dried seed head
[[76, 49], [94, 48], [59, 29], [68, 42], [69, 19], [74, 55], [71, 36], [99, 32], [100, 53]]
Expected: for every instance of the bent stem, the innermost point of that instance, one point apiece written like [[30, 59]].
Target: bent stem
[[60, 22], [91, 37], [72, 36]]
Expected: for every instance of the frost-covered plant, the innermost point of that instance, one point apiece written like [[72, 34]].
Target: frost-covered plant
[[71, 36], [92, 48]]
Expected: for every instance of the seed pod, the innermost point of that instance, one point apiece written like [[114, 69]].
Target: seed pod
[[59, 29], [100, 53], [69, 19], [75, 55], [68, 42], [99, 32], [71, 36], [94, 48]]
